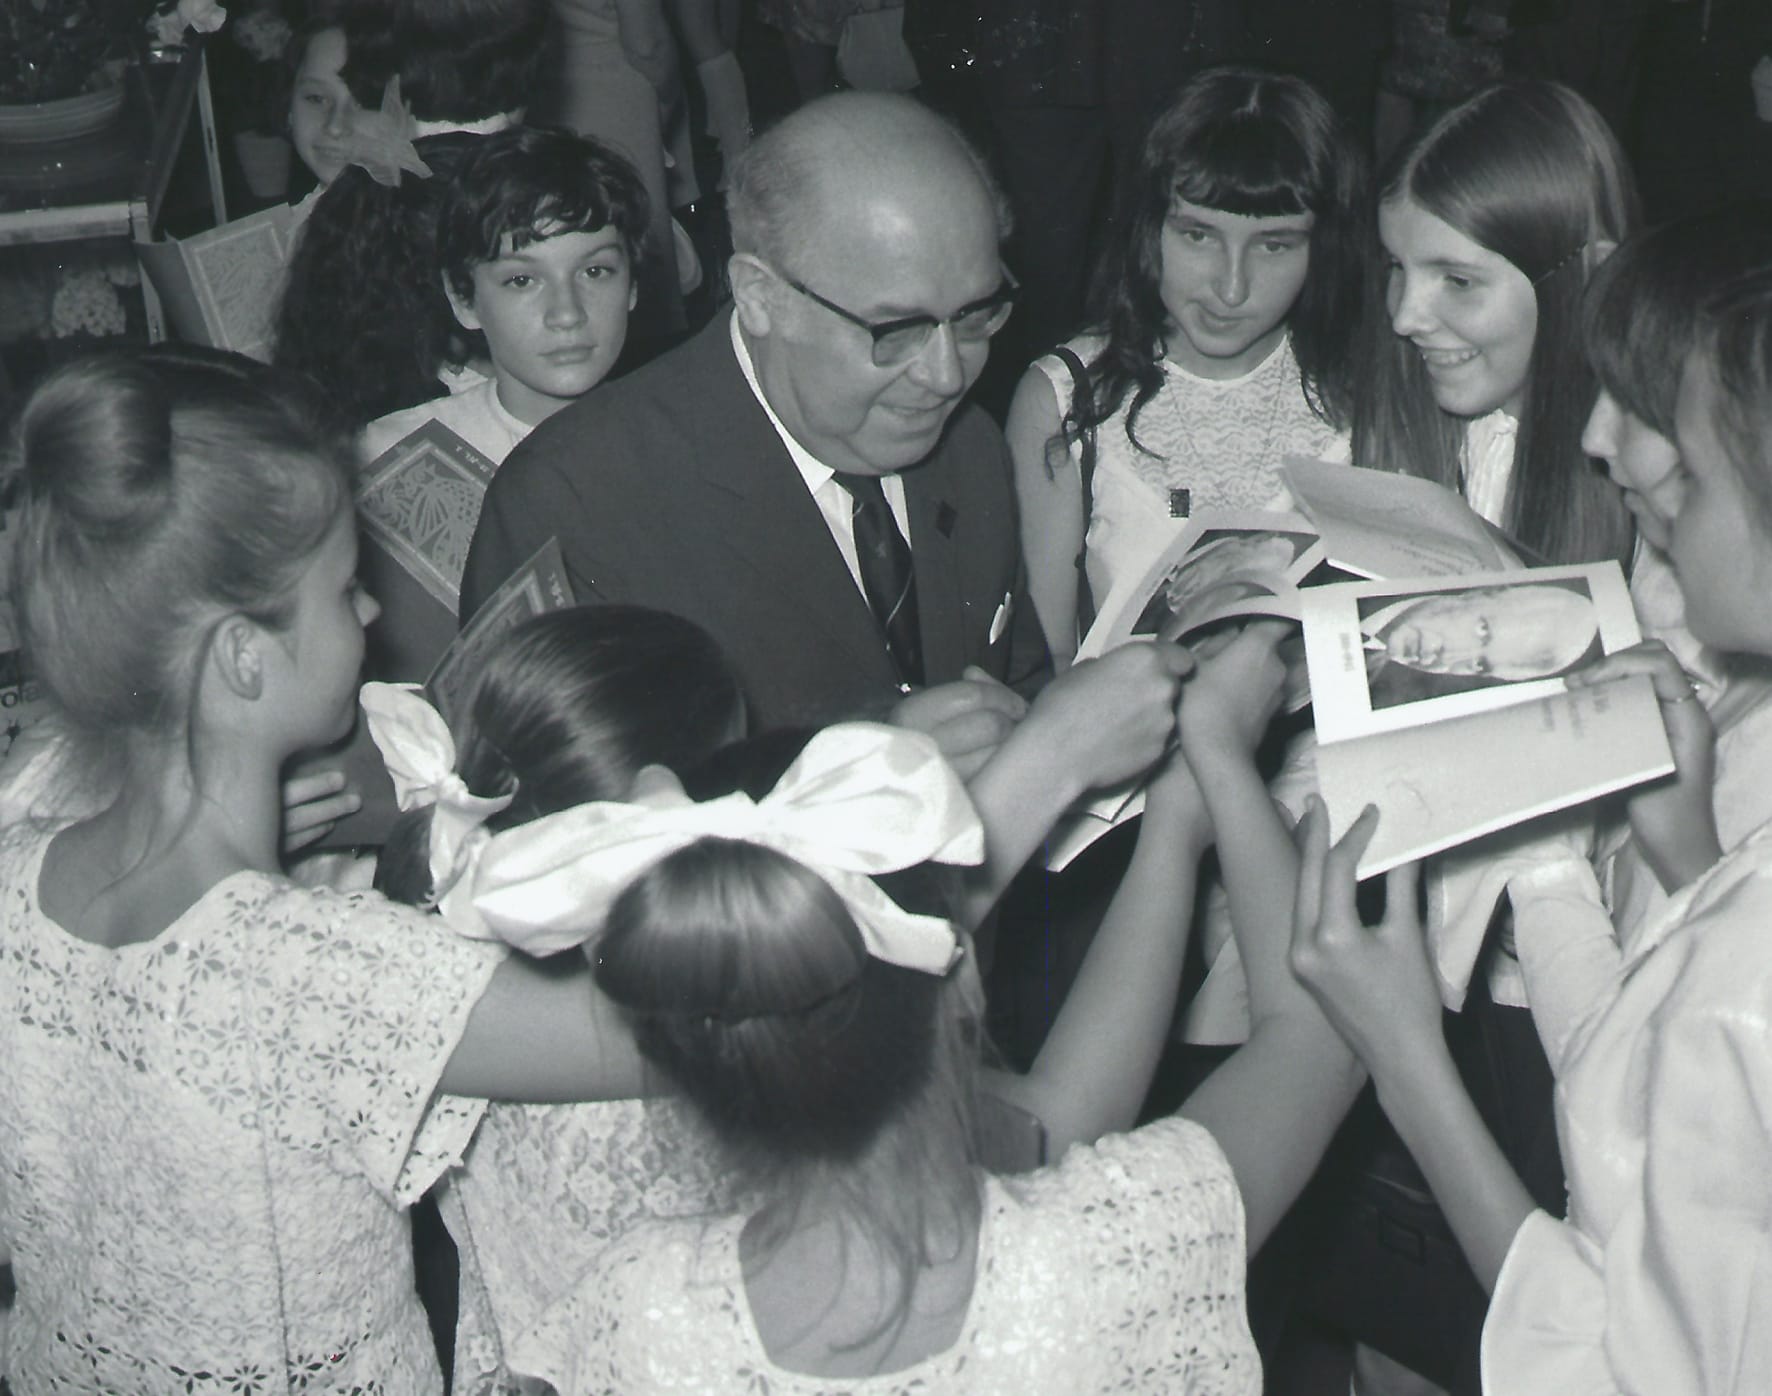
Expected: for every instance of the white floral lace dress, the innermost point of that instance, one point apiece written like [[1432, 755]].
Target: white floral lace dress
[[542, 1191], [206, 1138], [1119, 1270]]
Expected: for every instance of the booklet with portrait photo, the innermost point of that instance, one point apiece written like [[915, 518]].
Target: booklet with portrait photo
[[1347, 524], [1443, 702]]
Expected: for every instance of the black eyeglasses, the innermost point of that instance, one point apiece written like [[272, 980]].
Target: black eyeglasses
[[899, 341]]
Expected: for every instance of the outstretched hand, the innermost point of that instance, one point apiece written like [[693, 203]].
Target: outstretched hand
[[1375, 983], [1674, 820], [1235, 690]]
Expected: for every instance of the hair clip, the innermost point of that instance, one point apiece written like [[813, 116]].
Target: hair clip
[[381, 141], [1557, 266]]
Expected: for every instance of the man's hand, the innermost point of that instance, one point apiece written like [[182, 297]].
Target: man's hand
[[968, 718]]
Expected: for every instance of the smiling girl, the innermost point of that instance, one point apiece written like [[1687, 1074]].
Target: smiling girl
[[322, 108], [1490, 222], [1224, 323]]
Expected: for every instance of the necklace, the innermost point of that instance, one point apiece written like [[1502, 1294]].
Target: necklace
[[1276, 366]]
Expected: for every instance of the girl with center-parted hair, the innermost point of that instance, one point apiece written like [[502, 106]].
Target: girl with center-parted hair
[[1224, 319], [828, 1040], [1490, 221], [222, 1088]]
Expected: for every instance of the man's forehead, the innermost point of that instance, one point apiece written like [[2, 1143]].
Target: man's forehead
[[922, 256]]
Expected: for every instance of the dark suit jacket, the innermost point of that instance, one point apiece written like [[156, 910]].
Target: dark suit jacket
[[669, 488]]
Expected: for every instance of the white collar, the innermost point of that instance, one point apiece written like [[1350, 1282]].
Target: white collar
[[812, 470], [485, 126]]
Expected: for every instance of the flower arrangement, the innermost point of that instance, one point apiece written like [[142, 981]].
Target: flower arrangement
[[61, 48]]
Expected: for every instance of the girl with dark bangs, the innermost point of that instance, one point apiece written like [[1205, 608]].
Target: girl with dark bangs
[[1223, 321]]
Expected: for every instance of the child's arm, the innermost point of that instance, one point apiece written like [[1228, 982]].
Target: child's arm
[[1103, 721], [1274, 1105], [1095, 1068], [1052, 522], [1378, 988], [543, 1032]]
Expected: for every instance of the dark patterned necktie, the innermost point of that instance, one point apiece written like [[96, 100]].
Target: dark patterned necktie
[[887, 577]]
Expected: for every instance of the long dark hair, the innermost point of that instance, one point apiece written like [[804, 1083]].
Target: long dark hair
[[568, 708], [363, 313], [1251, 143], [1641, 311], [1735, 347], [819, 1069], [1531, 172]]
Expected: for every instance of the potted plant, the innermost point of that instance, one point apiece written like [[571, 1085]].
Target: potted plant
[[62, 61], [250, 77]]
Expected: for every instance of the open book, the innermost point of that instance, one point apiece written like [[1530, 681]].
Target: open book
[[538, 586], [1349, 524], [418, 501], [1444, 704], [222, 287]]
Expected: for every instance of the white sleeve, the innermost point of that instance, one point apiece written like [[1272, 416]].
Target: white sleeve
[[1568, 953], [1678, 1296]]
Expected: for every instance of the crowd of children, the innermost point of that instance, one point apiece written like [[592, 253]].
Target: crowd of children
[[681, 1025]]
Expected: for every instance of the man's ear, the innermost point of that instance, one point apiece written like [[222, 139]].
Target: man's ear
[[753, 291], [236, 652], [464, 309]]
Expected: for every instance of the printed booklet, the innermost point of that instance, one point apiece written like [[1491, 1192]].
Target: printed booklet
[[1351, 529], [419, 501], [1444, 703]]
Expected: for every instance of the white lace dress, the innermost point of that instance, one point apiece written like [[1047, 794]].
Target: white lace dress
[[542, 1191], [1222, 440], [1119, 1270], [206, 1138]]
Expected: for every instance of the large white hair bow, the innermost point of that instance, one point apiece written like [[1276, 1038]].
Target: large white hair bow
[[860, 799], [416, 747]]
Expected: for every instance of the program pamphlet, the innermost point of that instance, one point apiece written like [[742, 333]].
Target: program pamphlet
[[1319, 565]]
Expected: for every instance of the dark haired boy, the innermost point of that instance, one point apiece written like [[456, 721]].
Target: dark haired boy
[[537, 238]]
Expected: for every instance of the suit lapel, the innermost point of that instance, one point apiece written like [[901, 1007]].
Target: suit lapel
[[768, 527]]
